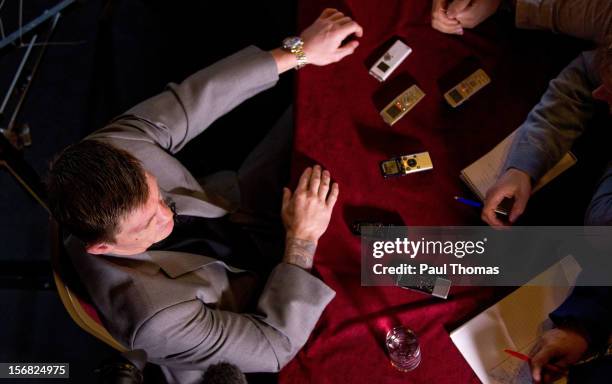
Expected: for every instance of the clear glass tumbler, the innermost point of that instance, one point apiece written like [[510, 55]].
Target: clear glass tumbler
[[403, 347]]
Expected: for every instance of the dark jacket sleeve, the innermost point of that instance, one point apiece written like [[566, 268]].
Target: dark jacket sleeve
[[599, 211], [556, 121], [591, 309], [585, 19]]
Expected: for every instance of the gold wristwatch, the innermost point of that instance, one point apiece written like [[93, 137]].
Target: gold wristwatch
[[295, 45]]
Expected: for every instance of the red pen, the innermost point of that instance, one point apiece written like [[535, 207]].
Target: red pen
[[527, 359], [518, 355]]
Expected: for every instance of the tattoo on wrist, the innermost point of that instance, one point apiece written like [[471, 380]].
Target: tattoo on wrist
[[299, 252]]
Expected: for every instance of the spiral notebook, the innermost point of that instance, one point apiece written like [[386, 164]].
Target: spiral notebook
[[482, 174]]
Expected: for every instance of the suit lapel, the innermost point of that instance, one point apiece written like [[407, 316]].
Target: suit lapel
[[176, 264], [194, 206]]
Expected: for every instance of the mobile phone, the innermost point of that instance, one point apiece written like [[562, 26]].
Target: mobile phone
[[394, 56], [467, 88], [403, 165], [402, 104]]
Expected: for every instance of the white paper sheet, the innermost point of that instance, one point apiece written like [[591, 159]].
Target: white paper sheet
[[515, 323]]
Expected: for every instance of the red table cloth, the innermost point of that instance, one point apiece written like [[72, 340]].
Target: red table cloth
[[338, 126]]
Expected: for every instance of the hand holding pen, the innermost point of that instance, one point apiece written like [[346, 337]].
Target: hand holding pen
[[554, 370], [555, 352]]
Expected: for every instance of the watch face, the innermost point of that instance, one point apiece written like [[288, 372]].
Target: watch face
[[292, 42]]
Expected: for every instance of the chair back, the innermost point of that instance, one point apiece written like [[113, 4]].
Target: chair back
[[72, 294]]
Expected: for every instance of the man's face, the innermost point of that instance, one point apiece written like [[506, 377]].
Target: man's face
[[143, 227]]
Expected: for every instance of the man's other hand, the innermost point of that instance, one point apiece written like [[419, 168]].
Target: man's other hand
[[512, 184], [323, 39], [306, 214], [440, 19], [470, 13], [556, 351], [307, 211]]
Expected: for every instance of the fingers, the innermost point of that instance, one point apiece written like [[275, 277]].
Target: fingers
[[303, 183], [444, 24], [470, 19], [318, 182], [333, 195], [315, 180], [555, 369], [537, 362], [488, 211], [337, 16], [442, 18], [520, 203], [456, 7], [347, 25], [552, 373], [439, 19], [467, 20], [343, 20], [323, 40], [350, 27], [286, 197], [324, 186], [327, 12], [454, 29], [542, 370], [347, 49]]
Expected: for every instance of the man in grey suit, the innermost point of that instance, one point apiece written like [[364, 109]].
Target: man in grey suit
[[168, 259]]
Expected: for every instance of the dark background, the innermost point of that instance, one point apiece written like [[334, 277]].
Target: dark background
[[120, 52]]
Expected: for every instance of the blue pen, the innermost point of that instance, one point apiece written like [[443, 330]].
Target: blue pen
[[469, 202]]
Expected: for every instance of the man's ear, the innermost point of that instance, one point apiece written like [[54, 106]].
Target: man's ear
[[99, 248]]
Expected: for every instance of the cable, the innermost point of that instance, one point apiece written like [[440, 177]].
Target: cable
[[21, 44], [1, 23], [20, 22]]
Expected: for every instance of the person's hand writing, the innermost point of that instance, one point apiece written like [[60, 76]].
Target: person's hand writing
[[323, 39], [440, 19], [512, 184], [559, 348], [306, 214]]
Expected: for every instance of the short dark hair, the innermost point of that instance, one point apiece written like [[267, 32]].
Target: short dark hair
[[91, 186]]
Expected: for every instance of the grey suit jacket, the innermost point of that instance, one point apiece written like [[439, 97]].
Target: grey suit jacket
[[184, 309]]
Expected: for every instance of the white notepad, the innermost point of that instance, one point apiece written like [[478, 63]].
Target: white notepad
[[482, 174], [515, 322]]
